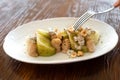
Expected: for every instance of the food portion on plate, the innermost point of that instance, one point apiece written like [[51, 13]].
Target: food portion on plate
[[104, 36], [72, 43]]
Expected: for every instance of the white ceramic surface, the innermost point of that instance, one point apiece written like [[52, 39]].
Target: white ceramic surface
[[14, 41]]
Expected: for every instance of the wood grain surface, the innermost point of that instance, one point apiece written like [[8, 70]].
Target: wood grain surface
[[17, 12]]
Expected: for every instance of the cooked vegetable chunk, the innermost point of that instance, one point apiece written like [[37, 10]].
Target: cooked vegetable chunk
[[44, 47], [43, 32]]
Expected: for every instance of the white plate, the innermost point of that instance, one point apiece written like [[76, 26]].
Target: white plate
[[14, 41]]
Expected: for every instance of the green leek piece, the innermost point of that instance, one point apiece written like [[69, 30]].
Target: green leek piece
[[44, 33], [44, 47], [72, 41]]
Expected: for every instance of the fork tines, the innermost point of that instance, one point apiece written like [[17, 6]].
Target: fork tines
[[83, 19]]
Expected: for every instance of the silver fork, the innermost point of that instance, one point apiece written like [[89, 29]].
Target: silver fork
[[86, 16]]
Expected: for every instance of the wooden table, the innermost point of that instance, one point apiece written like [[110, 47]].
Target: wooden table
[[17, 12]]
